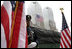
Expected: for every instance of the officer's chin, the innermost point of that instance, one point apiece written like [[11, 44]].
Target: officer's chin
[[32, 45]]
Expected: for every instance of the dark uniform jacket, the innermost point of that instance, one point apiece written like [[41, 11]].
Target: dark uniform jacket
[[31, 36]]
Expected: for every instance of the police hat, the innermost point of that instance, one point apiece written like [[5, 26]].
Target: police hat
[[28, 17]]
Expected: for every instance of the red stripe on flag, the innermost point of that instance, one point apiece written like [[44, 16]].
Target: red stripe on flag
[[26, 44], [63, 42], [68, 30], [17, 26], [65, 37], [67, 34], [5, 23], [61, 45]]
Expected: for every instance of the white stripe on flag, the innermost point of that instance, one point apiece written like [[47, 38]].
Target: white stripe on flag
[[65, 40], [8, 7], [22, 34], [67, 37], [62, 43], [68, 32], [3, 38]]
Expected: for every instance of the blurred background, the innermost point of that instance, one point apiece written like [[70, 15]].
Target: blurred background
[[55, 7]]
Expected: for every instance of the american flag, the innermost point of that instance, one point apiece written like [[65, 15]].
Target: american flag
[[39, 18], [19, 34], [5, 23], [65, 34]]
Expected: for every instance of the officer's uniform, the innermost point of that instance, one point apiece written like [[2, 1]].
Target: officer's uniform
[[31, 35]]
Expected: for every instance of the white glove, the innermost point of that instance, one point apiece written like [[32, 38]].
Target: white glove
[[32, 45]]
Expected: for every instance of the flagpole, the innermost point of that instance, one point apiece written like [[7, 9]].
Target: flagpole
[[10, 41]]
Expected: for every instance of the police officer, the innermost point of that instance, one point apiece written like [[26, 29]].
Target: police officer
[[31, 42]]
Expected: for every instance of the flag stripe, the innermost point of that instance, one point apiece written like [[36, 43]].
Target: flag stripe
[[22, 33], [67, 34], [63, 42], [61, 45], [5, 22], [70, 37], [68, 30], [39, 18], [66, 38], [10, 41], [3, 38], [17, 26], [26, 44], [8, 8]]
